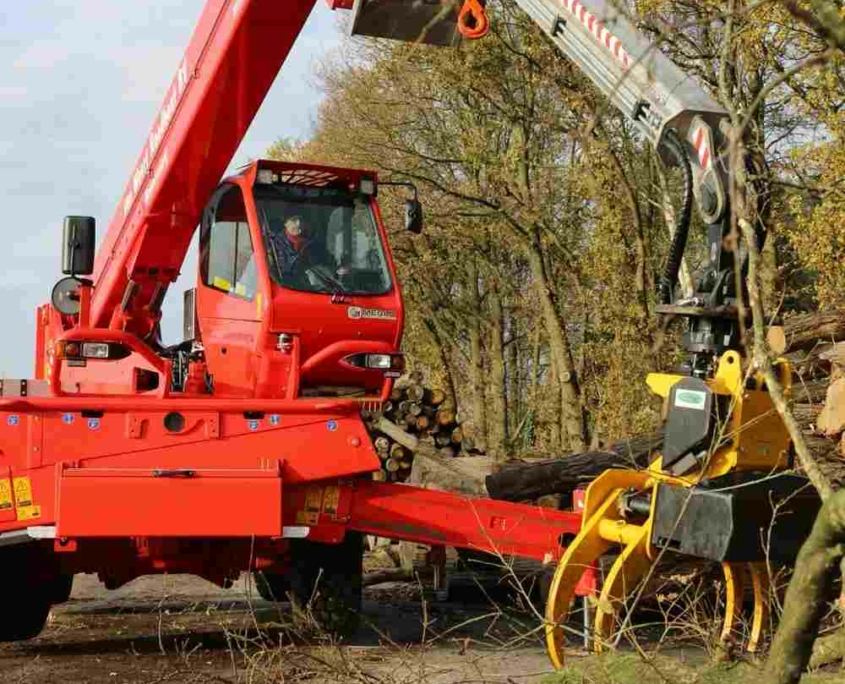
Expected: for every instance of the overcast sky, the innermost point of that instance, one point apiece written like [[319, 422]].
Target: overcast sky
[[80, 83]]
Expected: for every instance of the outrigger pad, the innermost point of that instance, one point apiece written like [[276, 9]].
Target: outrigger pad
[[730, 518], [431, 22]]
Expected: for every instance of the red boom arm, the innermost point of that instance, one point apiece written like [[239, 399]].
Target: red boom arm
[[232, 59]]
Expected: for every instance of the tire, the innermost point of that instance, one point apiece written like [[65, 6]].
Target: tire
[[272, 586], [25, 595], [326, 583], [62, 586]]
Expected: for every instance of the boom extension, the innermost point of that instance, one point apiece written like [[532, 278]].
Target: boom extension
[[231, 61]]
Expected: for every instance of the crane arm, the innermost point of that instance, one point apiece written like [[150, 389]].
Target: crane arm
[[235, 53], [685, 124]]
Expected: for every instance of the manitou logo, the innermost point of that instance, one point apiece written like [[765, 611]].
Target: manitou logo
[[160, 126], [356, 312]]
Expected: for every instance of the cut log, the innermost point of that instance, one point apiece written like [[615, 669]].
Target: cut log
[[397, 451], [832, 418], [415, 393], [809, 392], [397, 434], [835, 354], [806, 330], [388, 575], [435, 397], [527, 481], [807, 416]]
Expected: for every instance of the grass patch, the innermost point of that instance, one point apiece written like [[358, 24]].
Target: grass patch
[[616, 668]]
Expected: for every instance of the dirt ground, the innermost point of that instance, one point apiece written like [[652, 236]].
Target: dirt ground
[[182, 629]]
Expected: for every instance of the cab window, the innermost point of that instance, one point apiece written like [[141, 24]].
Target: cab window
[[228, 257]]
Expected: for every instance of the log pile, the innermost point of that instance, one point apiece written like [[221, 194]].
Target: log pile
[[414, 413], [814, 344]]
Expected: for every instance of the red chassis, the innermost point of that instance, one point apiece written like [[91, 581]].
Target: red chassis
[[121, 494]]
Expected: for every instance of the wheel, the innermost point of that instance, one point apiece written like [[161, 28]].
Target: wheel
[[25, 595], [62, 586], [272, 586], [326, 582]]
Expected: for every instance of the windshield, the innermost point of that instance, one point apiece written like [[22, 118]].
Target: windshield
[[321, 240]]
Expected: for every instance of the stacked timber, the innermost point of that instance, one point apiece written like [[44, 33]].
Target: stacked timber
[[814, 344], [415, 413]]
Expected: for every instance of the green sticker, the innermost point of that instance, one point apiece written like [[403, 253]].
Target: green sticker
[[691, 399]]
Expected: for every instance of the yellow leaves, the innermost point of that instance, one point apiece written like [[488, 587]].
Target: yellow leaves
[[818, 234]]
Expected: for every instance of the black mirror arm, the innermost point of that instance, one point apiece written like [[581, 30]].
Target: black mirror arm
[[406, 184]]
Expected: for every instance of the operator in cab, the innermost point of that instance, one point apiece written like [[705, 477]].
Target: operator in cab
[[298, 250]]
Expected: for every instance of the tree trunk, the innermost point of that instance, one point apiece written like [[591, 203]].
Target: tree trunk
[[769, 274], [445, 360], [524, 481], [808, 593], [514, 378], [497, 423], [477, 379], [571, 414]]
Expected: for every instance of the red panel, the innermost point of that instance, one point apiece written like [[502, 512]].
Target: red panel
[[431, 517], [102, 503]]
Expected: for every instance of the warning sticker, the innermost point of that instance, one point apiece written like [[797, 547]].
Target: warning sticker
[[307, 518], [314, 499], [23, 492], [331, 499], [691, 399], [29, 512], [310, 514], [6, 501]]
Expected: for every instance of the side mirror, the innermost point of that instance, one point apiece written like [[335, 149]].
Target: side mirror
[[413, 216], [78, 247]]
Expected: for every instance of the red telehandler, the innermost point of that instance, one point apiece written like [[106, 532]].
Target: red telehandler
[[242, 448]]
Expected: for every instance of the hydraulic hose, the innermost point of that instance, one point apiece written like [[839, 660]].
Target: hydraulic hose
[[666, 284]]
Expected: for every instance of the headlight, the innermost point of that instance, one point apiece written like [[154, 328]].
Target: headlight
[[380, 361], [95, 350], [384, 362]]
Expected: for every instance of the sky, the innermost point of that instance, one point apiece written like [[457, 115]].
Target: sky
[[80, 84]]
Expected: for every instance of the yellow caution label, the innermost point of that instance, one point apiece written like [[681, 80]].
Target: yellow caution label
[[221, 283], [29, 512], [23, 492], [6, 501], [310, 514], [314, 499], [307, 518], [331, 500]]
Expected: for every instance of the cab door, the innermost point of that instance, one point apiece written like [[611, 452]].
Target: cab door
[[228, 296]]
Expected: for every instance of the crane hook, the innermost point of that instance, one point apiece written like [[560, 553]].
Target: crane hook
[[472, 20]]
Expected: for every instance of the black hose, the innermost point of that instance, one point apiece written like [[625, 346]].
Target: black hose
[[666, 284]]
